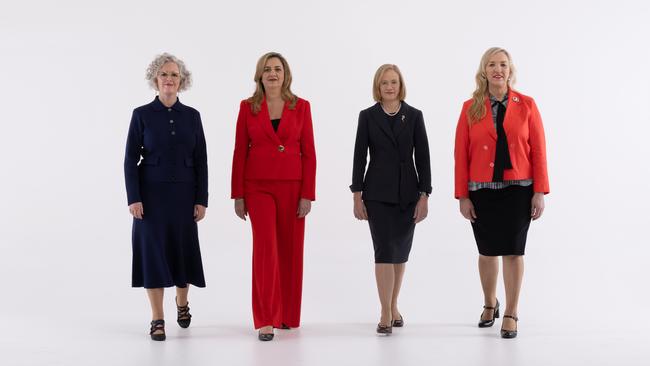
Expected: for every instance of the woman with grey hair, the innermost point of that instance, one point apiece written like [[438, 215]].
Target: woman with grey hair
[[166, 172]]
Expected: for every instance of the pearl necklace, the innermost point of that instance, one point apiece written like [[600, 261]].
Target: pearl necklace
[[391, 113]]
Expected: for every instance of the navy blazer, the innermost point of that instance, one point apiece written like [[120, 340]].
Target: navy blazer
[[171, 143], [393, 175]]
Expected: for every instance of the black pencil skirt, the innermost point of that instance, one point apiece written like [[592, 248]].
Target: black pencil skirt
[[503, 218], [391, 228]]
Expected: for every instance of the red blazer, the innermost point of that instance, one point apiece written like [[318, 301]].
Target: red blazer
[[261, 153], [476, 145]]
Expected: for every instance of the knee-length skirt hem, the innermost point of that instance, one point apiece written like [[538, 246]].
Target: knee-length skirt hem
[[503, 219], [392, 228]]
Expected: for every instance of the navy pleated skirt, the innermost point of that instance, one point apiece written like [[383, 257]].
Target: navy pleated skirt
[[392, 228], [165, 242], [503, 219]]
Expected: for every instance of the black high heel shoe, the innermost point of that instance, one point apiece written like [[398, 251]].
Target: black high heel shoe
[[399, 322], [157, 325], [505, 333], [265, 337], [495, 314], [384, 329], [184, 317]]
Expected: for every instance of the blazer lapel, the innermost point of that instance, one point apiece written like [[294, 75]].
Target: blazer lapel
[[287, 122], [512, 111], [404, 118], [380, 118], [265, 120], [488, 120]]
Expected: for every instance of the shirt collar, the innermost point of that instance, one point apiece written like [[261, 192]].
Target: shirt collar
[[494, 99], [158, 106]]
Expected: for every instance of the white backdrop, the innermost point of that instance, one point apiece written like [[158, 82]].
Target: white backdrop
[[73, 71]]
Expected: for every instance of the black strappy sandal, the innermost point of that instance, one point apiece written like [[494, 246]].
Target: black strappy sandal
[[495, 314], [509, 334], [157, 325], [184, 317]]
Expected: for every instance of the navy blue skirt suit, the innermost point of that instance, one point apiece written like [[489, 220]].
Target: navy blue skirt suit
[[399, 170], [166, 169]]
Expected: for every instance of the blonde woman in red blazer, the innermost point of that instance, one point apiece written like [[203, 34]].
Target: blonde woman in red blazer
[[274, 181], [500, 179]]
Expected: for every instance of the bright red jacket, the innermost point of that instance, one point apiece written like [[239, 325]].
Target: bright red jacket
[[262, 154], [476, 145]]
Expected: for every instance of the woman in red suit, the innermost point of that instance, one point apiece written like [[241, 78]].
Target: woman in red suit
[[500, 179], [274, 181]]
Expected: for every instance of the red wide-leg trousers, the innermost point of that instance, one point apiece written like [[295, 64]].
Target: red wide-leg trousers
[[278, 236]]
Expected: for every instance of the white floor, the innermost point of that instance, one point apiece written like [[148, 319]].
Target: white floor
[[86, 341]]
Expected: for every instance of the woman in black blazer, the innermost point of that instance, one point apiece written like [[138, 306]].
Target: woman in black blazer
[[393, 193], [167, 191]]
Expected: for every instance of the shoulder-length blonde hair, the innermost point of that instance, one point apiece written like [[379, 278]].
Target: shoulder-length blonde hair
[[477, 110], [376, 93], [256, 99]]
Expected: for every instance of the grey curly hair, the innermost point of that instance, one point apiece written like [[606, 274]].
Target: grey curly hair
[[159, 61]]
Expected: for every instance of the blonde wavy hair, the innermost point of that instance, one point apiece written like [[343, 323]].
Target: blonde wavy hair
[[477, 110], [256, 99], [155, 65]]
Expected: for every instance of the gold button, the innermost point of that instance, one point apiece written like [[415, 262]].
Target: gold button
[[280, 148]]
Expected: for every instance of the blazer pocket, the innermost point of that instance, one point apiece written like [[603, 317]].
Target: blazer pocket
[[189, 162], [150, 161]]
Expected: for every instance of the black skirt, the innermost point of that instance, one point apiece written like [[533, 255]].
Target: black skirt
[[503, 218], [166, 242], [392, 230]]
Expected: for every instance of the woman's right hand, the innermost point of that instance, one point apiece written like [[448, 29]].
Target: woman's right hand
[[359, 207], [240, 208], [467, 209], [136, 210]]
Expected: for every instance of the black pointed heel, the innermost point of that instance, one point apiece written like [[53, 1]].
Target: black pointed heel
[[184, 317], [495, 314], [509, 334], [157, 325]]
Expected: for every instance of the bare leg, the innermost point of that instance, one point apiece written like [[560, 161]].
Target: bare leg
[[513, 273], [385, 276], [156, 301], [398, 269], [181, 295], [488, 269]]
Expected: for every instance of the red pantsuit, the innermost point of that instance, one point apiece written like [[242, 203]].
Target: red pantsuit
[[272, 171]]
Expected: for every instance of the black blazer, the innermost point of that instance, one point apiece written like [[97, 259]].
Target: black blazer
[[171, 143], [393, 175]]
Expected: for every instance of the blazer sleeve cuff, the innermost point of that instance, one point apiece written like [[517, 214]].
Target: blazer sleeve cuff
[[356, 187]]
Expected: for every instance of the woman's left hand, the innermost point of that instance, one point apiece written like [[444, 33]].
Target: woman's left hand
[[304, 206], [537, 206], [199, 212], [421, 209]]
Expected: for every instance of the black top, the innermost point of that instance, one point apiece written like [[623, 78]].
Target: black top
[[276, 124], [399, 165]]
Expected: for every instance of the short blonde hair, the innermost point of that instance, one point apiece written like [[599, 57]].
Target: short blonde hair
[[376, 94], [159, 61]]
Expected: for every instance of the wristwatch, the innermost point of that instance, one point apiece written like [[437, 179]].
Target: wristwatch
[[424, 194]]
